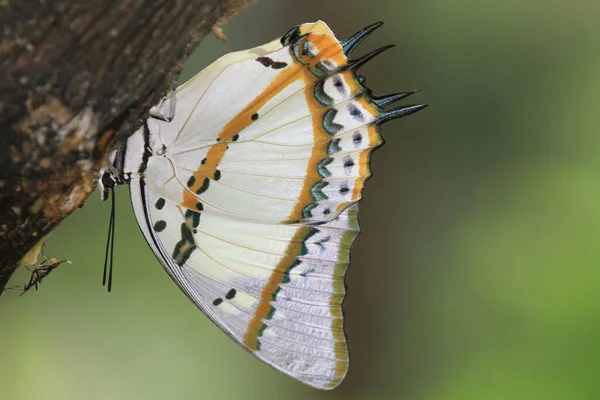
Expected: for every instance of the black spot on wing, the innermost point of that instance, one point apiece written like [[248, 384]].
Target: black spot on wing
[[279, 65], [204, 187], [160, 226], [160, 203], [348, 164], [269, 63], [265, 61], [304, 274], [357, 138], [339, 85], [193, 218], [320, 242], [356, 113], [185, 247], [191, 181], [217, 301], [231, 294]]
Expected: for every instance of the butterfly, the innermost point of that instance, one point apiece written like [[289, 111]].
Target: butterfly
[[245, 182]]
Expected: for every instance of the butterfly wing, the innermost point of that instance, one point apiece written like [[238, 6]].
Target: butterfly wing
[[275, 289], [249, 196], [288, 142]]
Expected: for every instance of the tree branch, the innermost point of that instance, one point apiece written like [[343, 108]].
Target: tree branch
[[75, 77]]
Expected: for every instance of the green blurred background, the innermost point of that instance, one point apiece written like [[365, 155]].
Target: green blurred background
[[476, 276]]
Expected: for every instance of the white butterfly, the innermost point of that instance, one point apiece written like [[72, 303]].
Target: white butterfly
[[247, 192]]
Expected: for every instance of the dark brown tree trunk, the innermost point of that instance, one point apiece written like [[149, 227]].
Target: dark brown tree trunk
[[76, 76]]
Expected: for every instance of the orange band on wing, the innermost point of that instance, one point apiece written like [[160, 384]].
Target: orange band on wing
[[327, 46], [264, 310], [235, 126]]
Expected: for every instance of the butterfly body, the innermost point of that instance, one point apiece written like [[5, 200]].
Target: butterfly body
[[247, 195]]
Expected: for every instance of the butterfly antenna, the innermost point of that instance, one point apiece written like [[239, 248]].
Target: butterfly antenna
[[112, 241], [110, 223], [109, 240]]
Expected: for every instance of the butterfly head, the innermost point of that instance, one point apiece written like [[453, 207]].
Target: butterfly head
[[106, 181], [113, 173]]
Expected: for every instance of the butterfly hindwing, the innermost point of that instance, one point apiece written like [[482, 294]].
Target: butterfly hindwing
[[275, 289]]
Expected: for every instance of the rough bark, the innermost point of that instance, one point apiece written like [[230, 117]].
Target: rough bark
[[75, 77]]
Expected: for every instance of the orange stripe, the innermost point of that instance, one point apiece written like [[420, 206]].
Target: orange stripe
[[264, 307], [367, 105], [349, 77], [364, 161], [236, 125], [328, 47], [320, 136]]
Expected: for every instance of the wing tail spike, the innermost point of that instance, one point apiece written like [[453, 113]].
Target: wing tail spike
[[400, 112], [355, 64], [353, 41], [388, 99]]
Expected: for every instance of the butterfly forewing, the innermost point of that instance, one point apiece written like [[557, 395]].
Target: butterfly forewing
[[289, 142]]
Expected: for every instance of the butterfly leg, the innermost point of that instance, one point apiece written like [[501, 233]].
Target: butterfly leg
[[170, 107]]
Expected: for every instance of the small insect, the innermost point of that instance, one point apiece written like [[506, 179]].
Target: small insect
[[248, 192], [39, 273]]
